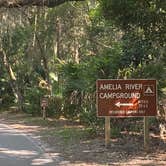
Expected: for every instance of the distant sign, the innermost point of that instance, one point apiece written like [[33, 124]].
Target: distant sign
[[44, 102], [125, 98]]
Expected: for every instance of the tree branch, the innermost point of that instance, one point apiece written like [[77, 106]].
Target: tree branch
[[21, 3]]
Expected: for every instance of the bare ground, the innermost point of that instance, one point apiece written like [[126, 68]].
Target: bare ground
[[61, 137]]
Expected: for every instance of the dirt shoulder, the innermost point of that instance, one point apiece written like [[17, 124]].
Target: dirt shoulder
[[78, 146]]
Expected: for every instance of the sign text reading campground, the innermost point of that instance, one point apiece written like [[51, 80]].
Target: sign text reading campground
[[126, 98]]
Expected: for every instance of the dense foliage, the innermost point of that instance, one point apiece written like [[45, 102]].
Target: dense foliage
[[61, 52]]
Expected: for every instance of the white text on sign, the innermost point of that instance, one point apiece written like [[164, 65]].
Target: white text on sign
[[119, 86]]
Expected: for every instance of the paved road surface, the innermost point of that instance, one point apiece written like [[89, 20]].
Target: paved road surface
[[17, 149]]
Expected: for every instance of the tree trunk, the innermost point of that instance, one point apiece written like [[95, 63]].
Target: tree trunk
[[57, 45], [58, 36], [35, 30]]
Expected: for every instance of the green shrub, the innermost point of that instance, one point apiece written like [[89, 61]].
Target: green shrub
[[70, 111], [54, 107], [89, 118], [7, 100], [32, 97], [115, 132], [6, 94]]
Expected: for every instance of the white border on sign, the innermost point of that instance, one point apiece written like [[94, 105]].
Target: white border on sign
[[124, 80]]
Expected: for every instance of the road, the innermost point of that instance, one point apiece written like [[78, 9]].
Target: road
[[17, 149]]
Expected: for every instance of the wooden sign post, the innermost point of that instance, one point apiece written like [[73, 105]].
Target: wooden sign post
[[44, 104], [126, 98], [146, 133], [107, 131]]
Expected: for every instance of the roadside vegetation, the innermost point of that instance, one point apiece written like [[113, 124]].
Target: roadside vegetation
[[60, 52]]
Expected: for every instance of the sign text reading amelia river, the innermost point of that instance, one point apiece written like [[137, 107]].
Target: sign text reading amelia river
[[120, 95]]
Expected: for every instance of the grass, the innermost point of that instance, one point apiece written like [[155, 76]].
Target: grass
[[67, 132], [73, 134], [39, 121]]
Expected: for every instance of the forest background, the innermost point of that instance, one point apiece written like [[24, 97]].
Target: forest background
[[60, 52]]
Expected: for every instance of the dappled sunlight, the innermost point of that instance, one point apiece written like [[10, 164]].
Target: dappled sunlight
[[18, 153], [20, 126], [74, 126], [25, 127], [78, 163], [33, 157], [72, 145], [45, 159], [17, 146], [41, 161], [145, 160]]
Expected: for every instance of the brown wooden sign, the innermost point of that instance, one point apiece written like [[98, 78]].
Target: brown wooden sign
[[44, 102], [126, 98]]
